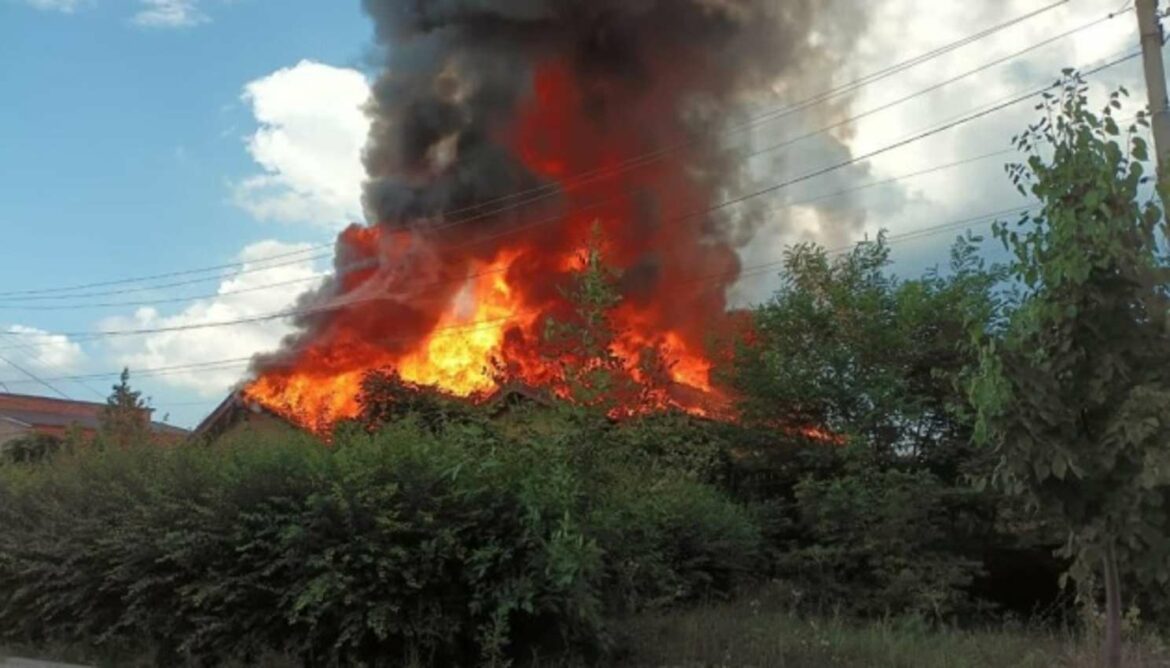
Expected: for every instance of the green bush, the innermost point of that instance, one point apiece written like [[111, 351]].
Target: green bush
[[874, 542], [448, 547], [31, 448]]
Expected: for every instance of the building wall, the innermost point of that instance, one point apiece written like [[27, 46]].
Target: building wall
[[250, 425], [20, 402]]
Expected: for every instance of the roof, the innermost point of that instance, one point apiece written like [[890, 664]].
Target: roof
[[513, 393], [10, 420], [50, 419], [233, 408], [36, 411]]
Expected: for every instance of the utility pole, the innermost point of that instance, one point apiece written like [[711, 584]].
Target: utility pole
[[1151, 31]]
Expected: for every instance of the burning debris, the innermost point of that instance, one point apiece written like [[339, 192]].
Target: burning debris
[[503, 131]]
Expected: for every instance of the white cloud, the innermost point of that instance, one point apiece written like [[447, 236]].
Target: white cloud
[[44, 351], [63, 6], [214, 344], [310, 139], [169, 14], [902, 29]]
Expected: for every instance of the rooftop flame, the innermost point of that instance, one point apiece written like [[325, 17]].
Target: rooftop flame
[[461, 303]]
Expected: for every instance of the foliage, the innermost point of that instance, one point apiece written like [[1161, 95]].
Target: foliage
[[673, 443], [386, 398], [30, 448], [582, 342], [125, 419], [451, 546], [846, 347], [760, 628], [875, 541], [889, 523], [1074, 398]]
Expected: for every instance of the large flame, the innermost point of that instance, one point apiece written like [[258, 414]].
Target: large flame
[[462, 310]]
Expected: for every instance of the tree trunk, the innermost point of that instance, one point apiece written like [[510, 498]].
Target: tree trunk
[[1112, 610]]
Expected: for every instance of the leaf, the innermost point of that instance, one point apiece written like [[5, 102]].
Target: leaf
[[1059, 466], [1140, 151]]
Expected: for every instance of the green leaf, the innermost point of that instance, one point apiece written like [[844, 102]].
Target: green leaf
[[1059, 466]]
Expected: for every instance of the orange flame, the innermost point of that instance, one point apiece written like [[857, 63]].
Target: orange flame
[[464, 317]]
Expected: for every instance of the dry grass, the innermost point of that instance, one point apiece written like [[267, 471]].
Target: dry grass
[[749, 633]]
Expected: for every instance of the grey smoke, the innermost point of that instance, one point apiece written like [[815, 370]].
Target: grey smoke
[[457, 69], [454, 74]]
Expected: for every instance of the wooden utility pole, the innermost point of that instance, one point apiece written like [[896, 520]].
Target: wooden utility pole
[[1151, 31]]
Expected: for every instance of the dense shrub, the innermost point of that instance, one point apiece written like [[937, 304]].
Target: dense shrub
[[30, 448], [878, 542], [451, 546]]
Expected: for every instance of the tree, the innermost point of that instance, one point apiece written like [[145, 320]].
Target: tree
[[125, 420], [1074, 396], [846, 347], [888, 523], [592, 373]]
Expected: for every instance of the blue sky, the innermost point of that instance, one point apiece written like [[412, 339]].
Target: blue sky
[[140, 137], [118, 139], [119, 142]]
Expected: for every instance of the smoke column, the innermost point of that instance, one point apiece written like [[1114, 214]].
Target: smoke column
[[502, 131]]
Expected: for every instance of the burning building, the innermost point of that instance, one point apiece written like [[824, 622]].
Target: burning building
[[503, 131]]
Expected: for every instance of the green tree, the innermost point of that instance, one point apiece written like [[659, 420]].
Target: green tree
[[1074, 396], [125, 420], [847, 347], [582, 342], [888, 523]]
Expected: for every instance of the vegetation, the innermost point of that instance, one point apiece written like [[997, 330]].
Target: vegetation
[[31, 448], [1074, 396], [125, 421], [456, 546], [762, 629]]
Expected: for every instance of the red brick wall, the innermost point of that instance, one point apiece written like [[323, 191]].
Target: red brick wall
[[23, 403]]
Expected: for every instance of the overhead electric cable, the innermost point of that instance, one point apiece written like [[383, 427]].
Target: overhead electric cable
[[752, 122], [741, 272], [717, 207]]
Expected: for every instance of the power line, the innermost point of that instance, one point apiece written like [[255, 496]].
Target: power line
[[712, 209], [612, 198], [172, 300], [194, 281], [750, 270], [822, 130], [935, 87], [34, 351], [594, 173], [172, 274], [364, 265], [34, 377], [552, 190]]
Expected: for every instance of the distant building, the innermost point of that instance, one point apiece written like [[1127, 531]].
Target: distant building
[[24, 415]]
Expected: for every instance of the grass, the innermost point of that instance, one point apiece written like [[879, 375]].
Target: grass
[[760, 633], [751, 633]]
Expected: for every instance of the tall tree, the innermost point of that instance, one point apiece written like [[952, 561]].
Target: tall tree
[[125, 420], [1074, 397]]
